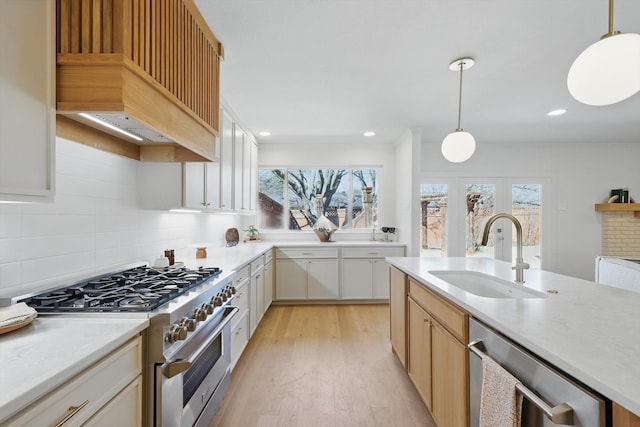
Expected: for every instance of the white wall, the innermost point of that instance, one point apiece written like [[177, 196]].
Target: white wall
[[580, 175], [94, 225], [407, 188], [336, 155]]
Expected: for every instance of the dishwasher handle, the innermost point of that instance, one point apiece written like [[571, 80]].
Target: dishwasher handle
[[559, 414]]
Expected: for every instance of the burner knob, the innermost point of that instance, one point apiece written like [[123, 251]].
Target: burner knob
[[176, 333], [199, 314], [222, 294], [188, 323], [232, 289], [228, 291], [207, 308], [216, 301]]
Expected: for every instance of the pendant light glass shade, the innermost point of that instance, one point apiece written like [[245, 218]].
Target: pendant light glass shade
[[458, 146], [608, 71]]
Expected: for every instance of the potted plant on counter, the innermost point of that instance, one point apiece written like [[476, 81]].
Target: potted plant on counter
[[252, 234]]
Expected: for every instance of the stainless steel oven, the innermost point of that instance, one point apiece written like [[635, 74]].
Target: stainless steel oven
[[187, 344], [190, 386]]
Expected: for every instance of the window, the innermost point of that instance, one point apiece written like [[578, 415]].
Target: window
[[293, 199]]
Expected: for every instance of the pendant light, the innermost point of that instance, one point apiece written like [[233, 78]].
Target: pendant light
[[459, 145], [608, 71]]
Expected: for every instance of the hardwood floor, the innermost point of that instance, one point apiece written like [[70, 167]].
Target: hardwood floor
[[325, 365]]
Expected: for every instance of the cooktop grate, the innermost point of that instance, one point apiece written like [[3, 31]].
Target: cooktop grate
[[137, 289]]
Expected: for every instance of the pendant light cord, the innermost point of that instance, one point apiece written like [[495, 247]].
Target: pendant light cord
[[459, 129]]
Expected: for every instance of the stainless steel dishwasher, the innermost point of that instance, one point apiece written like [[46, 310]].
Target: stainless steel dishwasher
[[551, 398]]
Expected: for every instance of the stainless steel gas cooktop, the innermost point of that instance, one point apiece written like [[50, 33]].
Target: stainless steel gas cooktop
[[137, 289]]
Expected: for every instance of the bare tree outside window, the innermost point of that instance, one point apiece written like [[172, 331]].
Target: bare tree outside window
[[340, 189]]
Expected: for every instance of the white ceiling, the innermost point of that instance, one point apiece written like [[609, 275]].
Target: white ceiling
[[327, 70]]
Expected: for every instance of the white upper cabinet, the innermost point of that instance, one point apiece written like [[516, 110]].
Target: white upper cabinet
[[201, 185], [238, 164], [227, 185], [226, 161], [253, 181], [27, 100]]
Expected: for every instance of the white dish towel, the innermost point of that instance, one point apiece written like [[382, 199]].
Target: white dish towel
[[500, 403], [17, 313]]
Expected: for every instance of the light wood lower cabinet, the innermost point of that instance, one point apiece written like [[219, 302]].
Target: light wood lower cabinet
[[438, 361], [107, 394], [449, 366], [419, 360], [398, 313], [624, 418]]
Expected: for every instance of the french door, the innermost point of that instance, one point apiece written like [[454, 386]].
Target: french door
[[455, 211]]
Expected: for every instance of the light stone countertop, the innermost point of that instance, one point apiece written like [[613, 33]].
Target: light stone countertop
[[588, 330], [52, 350], [339, 244], [234, 257]]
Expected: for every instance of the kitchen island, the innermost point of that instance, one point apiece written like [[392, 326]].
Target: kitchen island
[[585, 329]]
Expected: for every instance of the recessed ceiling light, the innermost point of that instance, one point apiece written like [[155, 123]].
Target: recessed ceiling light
[[557, 112], [369, 133], [264, 133]]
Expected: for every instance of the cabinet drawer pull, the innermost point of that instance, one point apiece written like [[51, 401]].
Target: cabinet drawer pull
[[71, 412], [307, 253], [372, 253]]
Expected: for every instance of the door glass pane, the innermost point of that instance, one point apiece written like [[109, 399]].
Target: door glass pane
[[365, 198], [480, 201], [433, 201], [270, 198], [526, 207]]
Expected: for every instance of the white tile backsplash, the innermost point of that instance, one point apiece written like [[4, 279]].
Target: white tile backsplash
[[10, 274], [10, 225], [94, 225], [55, 224], [10, 250], [51, 246]]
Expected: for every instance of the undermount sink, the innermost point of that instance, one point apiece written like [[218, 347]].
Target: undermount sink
[[485, 285]]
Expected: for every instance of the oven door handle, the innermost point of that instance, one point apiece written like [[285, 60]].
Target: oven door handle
[[176, 367]]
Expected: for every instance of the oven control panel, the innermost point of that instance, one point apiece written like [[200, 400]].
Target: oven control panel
[[181, 329]]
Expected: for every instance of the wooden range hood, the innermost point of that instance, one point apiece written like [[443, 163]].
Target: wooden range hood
[[151, 67]]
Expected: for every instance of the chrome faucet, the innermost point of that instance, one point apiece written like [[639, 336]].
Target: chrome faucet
[[520, 264]]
